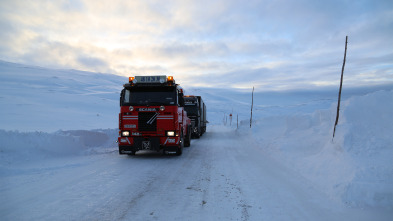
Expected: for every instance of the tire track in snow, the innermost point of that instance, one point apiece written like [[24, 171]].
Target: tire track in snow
[[225, 192]]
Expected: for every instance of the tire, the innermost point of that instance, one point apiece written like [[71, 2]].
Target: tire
[[198, 135], [187, 141], [181, 144], [132, 153]]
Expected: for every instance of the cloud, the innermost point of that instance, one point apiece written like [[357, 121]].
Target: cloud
[[274, 44], [89, 61]]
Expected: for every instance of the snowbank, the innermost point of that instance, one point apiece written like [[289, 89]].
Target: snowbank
[[16, 147], [355, 167], [366, 134]]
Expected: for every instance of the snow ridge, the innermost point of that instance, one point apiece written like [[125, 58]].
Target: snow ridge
[[353, 168]]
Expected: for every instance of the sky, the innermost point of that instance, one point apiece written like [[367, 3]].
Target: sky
[[273, 45]]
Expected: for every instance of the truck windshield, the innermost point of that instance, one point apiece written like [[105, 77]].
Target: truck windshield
[[192, 109], [150, 96]]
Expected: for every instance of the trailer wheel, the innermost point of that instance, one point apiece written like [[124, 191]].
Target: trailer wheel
[[198, 135]]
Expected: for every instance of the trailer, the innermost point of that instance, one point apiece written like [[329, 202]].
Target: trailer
[[196, 111]]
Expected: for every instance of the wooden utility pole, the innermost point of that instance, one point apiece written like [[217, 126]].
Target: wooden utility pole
[[341, 85], [252, 104]]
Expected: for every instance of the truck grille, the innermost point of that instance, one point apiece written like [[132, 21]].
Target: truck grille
[[147, 121]]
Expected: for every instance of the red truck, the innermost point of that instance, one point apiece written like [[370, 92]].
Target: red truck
[[152, 116]]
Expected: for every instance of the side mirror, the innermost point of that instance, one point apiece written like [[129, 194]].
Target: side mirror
[[121, 97], [181, 100]]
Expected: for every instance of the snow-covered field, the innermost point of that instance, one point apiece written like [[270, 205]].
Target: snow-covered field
[[59, 160]]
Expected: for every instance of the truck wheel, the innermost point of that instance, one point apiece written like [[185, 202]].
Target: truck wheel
[[187, 141], [181, 144], [132, 153]]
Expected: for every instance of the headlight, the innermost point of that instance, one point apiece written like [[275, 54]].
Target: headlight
[[170, 133], [131, 108], [162, 108], [125, 133]]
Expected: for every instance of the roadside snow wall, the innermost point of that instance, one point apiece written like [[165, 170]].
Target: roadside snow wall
[[31, 146], [367, 136], [356, 167]]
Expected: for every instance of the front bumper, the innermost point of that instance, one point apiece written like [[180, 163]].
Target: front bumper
[[129, 145]]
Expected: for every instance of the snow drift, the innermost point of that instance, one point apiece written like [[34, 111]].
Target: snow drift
[[366, 135], [355, 167], [22, 147]]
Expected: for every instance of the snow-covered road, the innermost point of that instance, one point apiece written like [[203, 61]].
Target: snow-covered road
[[220, 177]]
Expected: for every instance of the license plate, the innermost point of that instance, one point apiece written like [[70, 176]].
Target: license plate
[[146, 145]]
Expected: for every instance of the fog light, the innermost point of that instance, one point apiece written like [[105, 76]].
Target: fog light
[[170, 133], [125, 133], [162, 108]]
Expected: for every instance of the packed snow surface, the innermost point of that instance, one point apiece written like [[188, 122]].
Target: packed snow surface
[[59, 159]]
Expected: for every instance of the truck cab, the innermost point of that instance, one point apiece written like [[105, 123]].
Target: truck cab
[[196, 111], [152, 116]]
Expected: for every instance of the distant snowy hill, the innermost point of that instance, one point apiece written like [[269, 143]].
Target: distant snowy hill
[[55, 120], [40, 99]]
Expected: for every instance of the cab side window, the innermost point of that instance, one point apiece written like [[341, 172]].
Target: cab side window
[[127, 96], [124, 97]]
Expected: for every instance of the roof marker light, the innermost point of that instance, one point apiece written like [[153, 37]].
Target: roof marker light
[[130, 79]]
